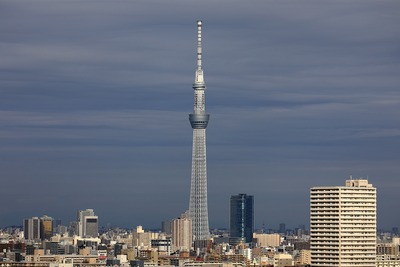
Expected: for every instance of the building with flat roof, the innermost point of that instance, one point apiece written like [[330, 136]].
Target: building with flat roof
[[46, 227], [182, 236], [241, 219], [343, 225], [32, 228], [88, 223]]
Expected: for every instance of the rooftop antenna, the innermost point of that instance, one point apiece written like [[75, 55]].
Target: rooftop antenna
[[199, 79]]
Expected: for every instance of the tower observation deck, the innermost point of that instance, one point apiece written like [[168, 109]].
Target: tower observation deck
[[199, 120]]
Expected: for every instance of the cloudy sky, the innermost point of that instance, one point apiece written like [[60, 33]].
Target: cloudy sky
[[95, 97]]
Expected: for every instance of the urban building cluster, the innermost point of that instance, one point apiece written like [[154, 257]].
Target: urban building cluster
[[43, 241], [342, 233]]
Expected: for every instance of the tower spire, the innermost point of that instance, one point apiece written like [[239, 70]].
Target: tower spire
[[199, 79], [199, 24]]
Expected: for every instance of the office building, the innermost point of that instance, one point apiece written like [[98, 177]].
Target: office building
[[199, 119], [46, 227], [88, 225], [343, 225], [32, 228], [91, 228], [241, 219]]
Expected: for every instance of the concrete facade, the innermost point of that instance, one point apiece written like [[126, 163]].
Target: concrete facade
[[267, 240], [343, 225], [182, 233]]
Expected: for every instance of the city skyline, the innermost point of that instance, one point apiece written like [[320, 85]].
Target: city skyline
[[95, 100]]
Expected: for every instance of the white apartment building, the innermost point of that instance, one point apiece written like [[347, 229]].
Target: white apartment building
[[343, 225], [182, 235]]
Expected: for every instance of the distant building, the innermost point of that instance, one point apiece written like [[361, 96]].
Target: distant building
[[267, 240], [88, 225], [91, 226], [282, 228], [387, 261], [166, 227], [32, 228], [46, 227], [395, 230], [142, 239], [301, 245], [56, 223], [51, 248], [241, 219], [73, 228], [61, 230], [343, 225], [283, 260], [163, 245], [304, 257], [182, 235], [387, 249]]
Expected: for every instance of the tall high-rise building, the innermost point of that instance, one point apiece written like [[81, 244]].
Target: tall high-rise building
[[32, 228], [199, 119], [88, 225], [182, 233], [46, 227], [91, 226], [241, 219], [343, 225]]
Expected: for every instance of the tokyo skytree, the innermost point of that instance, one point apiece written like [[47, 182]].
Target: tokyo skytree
[[199, 119]]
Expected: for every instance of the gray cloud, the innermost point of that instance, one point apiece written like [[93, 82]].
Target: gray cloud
[[95, 97]]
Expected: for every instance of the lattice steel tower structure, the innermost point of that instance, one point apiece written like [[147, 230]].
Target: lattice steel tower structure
[[199, 119]]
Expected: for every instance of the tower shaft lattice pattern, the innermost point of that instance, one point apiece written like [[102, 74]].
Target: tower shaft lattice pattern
[[198, 191]]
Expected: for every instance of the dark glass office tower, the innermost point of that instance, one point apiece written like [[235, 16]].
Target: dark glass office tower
[[241, 219]]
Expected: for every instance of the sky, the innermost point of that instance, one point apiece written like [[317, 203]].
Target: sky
[[95, 97]]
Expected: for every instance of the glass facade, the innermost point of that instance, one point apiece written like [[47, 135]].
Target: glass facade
[[242, 218]]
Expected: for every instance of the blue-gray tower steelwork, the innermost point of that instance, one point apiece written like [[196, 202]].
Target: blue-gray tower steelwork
[[199, 119]]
